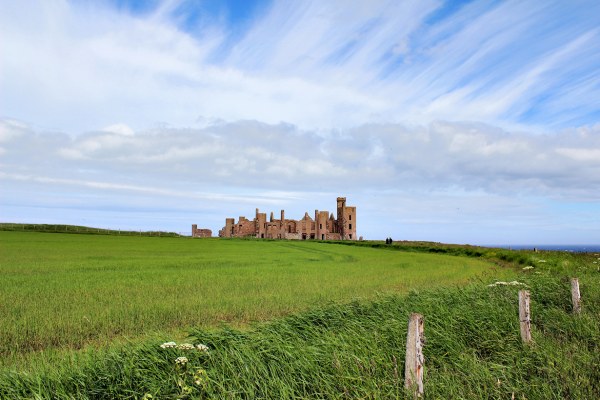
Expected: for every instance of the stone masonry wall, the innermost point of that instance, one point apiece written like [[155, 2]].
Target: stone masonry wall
[[323, 227]]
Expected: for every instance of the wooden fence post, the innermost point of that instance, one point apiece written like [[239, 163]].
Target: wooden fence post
[[413, 370], [575, 296], [524, 316]]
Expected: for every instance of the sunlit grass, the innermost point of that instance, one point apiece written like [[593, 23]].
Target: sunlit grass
[[66, 291], [355, 350]]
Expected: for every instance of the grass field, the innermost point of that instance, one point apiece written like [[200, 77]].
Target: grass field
[[63, 291], [350, 349]]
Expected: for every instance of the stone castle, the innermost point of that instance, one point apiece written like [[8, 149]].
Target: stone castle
[[323, 227]]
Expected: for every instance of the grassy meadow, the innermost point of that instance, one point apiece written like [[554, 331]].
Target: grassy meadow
[[84, 317], [64, 291]]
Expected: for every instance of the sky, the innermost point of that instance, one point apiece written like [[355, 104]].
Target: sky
[[451, 121]]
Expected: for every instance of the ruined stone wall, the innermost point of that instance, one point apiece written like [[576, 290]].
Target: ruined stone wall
[[273, 230], [201, 233], [244, 228], [323, 227]]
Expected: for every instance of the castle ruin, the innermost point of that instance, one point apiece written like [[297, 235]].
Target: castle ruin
[[201, 233], [323, 227]]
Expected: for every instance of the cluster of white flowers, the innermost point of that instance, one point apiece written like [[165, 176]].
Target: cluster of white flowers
[[181, 360], [185, 346], [202, 347], [541, 261], [513, 283], [528, 267]]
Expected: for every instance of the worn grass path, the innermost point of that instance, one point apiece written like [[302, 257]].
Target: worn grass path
[[63, 291]]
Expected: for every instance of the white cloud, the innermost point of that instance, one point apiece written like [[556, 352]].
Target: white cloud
[[120, 129], [471, 156], [313, 100], [318, 65]]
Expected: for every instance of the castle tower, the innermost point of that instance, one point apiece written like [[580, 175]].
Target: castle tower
[[341, 207], [350, 228], [321, 225], [228, 231], [260, 224]]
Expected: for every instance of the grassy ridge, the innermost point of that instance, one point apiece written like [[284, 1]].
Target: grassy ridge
[[61, 228], [356, 350], [65, 291]]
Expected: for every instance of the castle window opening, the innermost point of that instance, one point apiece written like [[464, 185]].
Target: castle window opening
[[350, 226]]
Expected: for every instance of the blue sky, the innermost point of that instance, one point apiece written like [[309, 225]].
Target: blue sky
[[456, 121]]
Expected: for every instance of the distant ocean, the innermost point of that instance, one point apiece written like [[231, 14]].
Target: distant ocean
[[589, 248]]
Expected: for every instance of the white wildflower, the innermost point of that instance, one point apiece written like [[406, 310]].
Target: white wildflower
[[516, 283], [541, 261], [181, 360], [502, 283], [528, 267], [168, 345], [185, 346], [202, 347]]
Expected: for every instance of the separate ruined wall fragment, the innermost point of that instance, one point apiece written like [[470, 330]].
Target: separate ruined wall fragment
[[200, 233]]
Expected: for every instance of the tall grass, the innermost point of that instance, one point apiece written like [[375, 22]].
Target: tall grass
[[65, 291], [473, 350]]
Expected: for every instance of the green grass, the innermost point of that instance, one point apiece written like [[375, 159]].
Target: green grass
[[64, 291], [336, 319], [355, 350], [76, 229]]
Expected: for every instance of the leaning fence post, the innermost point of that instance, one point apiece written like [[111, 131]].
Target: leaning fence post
[[575, 295], [413, 370], [524, 316]]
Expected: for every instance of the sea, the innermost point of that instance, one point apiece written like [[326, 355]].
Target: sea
[[575, 248]]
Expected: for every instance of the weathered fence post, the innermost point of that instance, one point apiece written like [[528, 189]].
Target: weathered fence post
[[575, 295], [524, 316], [413, 370]]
